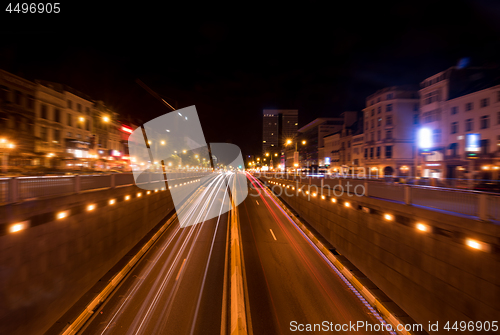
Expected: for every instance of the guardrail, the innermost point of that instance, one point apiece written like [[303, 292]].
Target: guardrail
[[484, 205], [18, 189]]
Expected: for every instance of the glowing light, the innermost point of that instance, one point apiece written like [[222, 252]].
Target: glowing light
[[148, 192], [81, 118], [139, 195], [323, 197], [149, 142], [425, 138], [162, 142], [334, 200], [347, 204], [105, 118], [422, 227], [112, 201], [127, 197], [127, 129], [18, 226], [388, 217], [62, 215], [476, 244], [314, 194], [156, 190]]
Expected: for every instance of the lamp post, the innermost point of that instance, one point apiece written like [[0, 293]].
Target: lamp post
[[296, 153]]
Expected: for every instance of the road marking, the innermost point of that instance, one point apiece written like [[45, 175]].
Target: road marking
[[273, 234], [257, 202], [180, 269]]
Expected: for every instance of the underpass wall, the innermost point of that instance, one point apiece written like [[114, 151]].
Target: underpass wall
[[433, 276], [47, 267]]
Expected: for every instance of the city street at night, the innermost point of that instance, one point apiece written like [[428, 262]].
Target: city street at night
[[245, 169]]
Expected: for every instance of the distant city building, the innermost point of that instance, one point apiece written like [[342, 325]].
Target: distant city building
[[337, 150], [17, 118], [456, 104], [312, 134], [78, 123], [279, 125], [107, 131], [51, 125], [390, 119]]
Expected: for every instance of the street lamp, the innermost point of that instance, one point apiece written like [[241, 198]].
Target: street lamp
[[106, 119]]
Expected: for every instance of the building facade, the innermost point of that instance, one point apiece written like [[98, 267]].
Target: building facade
[[17, 120], [312, 153], [279, 127], [390, 120], [456, 105]]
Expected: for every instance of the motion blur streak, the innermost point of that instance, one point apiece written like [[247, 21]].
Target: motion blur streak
[[150, 298], [314, 290]]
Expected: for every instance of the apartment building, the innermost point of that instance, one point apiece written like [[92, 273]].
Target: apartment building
[[457, 105], [390, 119]]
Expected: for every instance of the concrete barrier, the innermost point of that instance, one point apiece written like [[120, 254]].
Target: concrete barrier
[[45, 269]]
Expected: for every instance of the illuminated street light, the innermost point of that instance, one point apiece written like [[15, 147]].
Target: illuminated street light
[[304, 142], [106, 119], [162, 142], [267, 154], [422, 227]]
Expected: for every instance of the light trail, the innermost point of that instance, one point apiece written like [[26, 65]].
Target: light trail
[[341, 276]]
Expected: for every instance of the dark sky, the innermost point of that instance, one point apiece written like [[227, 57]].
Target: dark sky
[[233, 60]]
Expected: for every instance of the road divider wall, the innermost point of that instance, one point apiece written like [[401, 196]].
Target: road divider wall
[[71, 242]]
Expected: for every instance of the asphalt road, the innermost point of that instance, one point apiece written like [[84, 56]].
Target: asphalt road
[[177, 287], [288, 280]]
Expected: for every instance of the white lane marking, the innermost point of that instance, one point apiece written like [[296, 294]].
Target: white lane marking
[[273, 234], [184, 261], [257, 202]]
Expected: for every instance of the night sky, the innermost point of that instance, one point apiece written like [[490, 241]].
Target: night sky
[[234, 60]]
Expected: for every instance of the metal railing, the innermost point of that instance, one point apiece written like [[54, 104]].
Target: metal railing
[[36, 187], [452, 200], [4, 190], [27, 188], [483, 205]]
